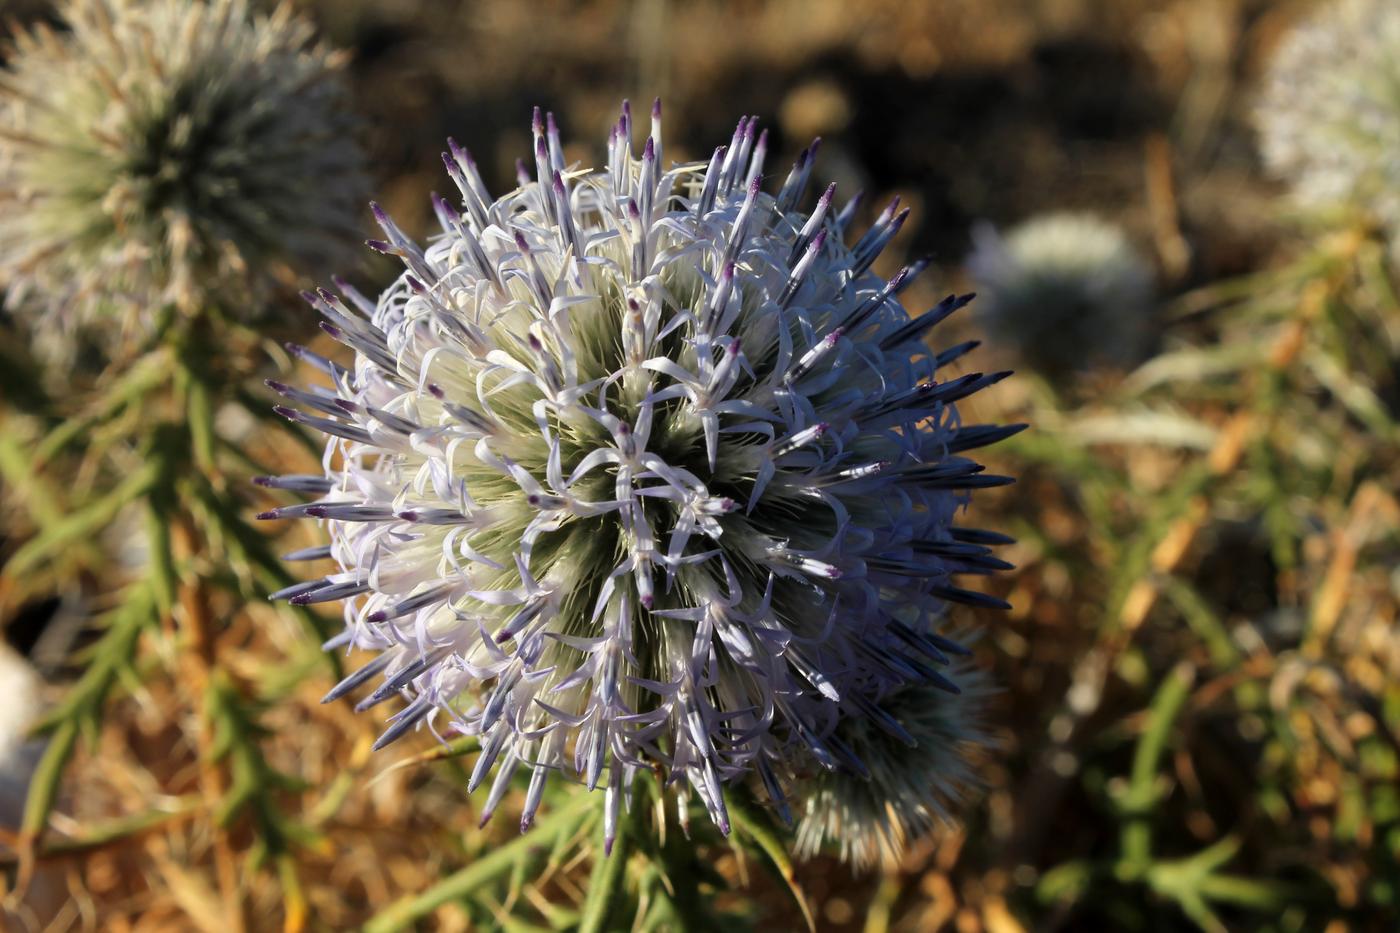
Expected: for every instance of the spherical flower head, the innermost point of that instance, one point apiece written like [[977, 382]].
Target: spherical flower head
[[169, 152], [1328, 116], [911, 782], [642, 468], [1066, 291]]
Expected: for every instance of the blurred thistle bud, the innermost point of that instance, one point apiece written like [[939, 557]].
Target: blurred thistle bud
[[1066, 291], [642, 469], [169, 153], [1328, 116], [911, 781]]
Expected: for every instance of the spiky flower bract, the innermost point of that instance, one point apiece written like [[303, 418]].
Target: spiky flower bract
[[642, 468], [910, 781], [169, 153], [1065, 290], [1328, 115]]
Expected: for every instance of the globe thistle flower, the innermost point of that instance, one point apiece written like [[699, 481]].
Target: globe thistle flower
[[910, 781], [169, 152], [1327, 116], [1064, 290], [642, 468]]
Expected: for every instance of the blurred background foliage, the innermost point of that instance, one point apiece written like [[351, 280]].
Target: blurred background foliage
[[1199, 717]]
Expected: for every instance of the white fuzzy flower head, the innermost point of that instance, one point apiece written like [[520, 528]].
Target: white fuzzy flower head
[[642, 468], [1066, 291], [169, 152], [915, 775], [1328, 115]]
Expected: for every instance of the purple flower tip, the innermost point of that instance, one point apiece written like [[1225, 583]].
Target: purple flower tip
[[316, 511], [408, 515], [656, 109], [379, 615], [649, 150], [291, 414], [267, 516]]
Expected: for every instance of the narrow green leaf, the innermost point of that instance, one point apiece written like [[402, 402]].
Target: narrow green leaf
[[605, 887], [1137, 802], [755, 824], [490, 867], [81, 524]]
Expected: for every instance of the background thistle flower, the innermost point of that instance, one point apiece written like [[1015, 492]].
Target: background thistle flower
[[642, 467], [1064, 290], [1328, 117], [169, 152], [910, 782]]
